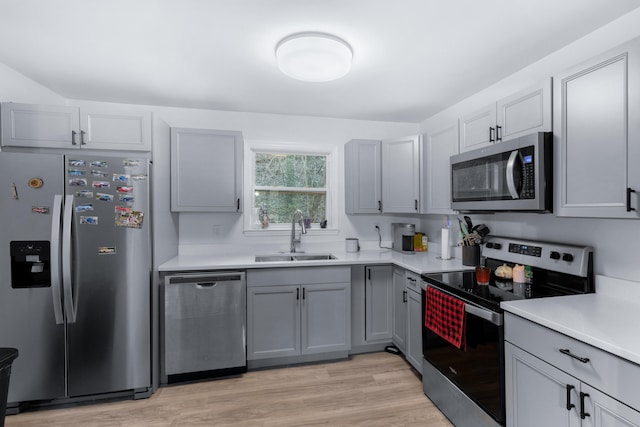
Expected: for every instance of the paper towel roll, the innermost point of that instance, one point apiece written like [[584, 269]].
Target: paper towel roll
[[445, 249]]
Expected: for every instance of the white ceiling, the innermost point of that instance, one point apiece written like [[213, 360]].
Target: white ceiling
[[412, 58]]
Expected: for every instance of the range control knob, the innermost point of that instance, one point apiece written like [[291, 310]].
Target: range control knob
[[554, 255], [497, 246], [567, 257], [489, 245]]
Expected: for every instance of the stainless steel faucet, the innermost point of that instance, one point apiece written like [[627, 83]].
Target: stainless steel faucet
[[303, 229]]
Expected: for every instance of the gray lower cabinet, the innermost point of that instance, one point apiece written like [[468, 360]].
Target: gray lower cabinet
[[413, 351], [378, 287], [400, 300], [298, 311], [546, 386]]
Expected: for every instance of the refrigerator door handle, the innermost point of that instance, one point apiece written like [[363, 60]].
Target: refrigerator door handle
[[67, 260], [55, 259]]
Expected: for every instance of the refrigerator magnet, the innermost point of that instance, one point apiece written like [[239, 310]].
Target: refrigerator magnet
[[99, 164], [76, 172], [84, 194], [90, 220], [35, 183], [127, 198], [77, 182], [99, 174], [132, 219], [124, 189], [140, 177], [40, 209], [101, 184], [106, 250], [77, 163], [130, 163], [86, 207], [121, 178], [119, 209], [104, 197]]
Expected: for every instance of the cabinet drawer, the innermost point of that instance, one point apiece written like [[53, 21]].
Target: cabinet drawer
[[412, 281], [614, 376]]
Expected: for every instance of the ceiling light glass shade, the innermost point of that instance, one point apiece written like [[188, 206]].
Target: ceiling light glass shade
[[314, 57]]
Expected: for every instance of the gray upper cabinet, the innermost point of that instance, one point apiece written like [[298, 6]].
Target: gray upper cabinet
[[104, 128], [597, 136], [524, 112], [439, 145], [206, 170], [401, 175], [363, 182]]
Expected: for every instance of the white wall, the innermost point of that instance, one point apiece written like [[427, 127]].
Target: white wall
[[616, 242], [14, 87]]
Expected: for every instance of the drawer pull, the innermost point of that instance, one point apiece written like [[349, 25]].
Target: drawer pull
[[570, 405], [583, 414], [568, 353]]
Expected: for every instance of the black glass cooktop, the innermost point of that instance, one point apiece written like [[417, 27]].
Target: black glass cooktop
[[464, 285]]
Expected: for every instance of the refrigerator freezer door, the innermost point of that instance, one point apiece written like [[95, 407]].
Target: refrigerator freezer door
[[28, 184], [109, 343]]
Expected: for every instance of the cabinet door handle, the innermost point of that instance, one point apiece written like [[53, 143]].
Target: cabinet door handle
[[238, 204], [416, 204], [583, 414], [498, 137], [491, 138], [404, 296], [369, 274], [297, 294], [570, 405], [82, 138], [73, 137], [568, 353], [629, 191], [380, 205], [304, 293]]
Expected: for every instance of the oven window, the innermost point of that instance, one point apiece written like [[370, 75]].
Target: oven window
[[478, 371]]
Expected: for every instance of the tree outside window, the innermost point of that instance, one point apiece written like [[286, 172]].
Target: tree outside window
[[285, 182]]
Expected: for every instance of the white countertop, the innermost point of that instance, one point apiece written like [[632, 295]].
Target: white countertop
[[607, 319], [420, 262]]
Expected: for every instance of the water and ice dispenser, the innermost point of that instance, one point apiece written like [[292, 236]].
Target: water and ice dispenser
[[30, 264]]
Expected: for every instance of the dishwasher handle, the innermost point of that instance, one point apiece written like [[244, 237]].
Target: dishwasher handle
[[205, 280]]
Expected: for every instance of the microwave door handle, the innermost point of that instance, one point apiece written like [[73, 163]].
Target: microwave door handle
[[55, 258], [511, 184]]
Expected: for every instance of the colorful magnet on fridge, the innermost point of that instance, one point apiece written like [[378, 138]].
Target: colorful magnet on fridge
[[77, 182], [91, 220], [98, 164], [35, 183], [106, 250], [40, 209], [104, 197]]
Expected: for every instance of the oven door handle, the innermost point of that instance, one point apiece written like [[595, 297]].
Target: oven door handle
[[490, 316]]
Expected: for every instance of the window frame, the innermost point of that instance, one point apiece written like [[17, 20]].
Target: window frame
[[276, 147]]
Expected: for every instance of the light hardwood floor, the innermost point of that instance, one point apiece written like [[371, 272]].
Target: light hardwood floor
[[378, 389]]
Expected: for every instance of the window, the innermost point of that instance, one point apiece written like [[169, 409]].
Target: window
[[284, 178]]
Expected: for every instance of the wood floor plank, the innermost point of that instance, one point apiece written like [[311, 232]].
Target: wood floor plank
[[377, 389]]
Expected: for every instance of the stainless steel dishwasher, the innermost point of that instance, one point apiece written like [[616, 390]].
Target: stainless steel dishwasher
[[204, 322]]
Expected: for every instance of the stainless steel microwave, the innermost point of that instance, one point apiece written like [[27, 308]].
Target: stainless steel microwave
[[515, 175]]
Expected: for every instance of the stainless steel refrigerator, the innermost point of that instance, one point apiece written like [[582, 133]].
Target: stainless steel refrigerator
[[75, 268]]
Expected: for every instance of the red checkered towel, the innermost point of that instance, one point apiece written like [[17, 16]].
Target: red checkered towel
[[445, 316]]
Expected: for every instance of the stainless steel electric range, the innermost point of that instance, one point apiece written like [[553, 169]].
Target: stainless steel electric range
[[467, 384]]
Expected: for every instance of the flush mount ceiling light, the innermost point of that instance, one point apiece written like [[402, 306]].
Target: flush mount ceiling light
[[314, 57]]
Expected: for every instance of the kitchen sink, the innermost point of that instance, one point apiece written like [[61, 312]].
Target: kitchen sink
[[294, 257]]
